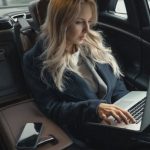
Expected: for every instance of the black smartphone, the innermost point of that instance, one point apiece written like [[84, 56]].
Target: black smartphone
[[29, 136]]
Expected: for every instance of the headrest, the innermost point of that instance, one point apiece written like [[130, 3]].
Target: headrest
[[38, 10], [103, 5], [42, 10]]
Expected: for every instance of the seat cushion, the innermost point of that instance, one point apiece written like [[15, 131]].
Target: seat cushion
[[14, 117]]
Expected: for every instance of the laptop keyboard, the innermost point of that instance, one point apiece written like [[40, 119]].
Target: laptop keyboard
[[137, 110]]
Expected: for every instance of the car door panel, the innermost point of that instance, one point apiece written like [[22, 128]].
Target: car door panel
[[11, 87], [126, 48], [123, 34]]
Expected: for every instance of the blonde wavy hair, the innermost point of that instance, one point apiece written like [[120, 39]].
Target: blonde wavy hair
[[60, 15]]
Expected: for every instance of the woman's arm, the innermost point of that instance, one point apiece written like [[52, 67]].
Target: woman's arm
[[120, 90], [59, 107]]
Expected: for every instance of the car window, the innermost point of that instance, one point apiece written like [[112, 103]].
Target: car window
[[120, 9], [14, 2], [11, 6], [148, 3]]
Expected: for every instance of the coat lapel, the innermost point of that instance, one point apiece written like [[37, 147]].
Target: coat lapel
[[76, 86], [106, 73], [102, 87]]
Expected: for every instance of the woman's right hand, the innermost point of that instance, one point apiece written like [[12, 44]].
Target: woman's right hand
[[105, 110]]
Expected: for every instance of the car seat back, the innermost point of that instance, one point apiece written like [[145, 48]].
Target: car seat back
[[17, 110]]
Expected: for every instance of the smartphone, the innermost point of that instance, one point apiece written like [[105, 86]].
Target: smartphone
[[29, 136]]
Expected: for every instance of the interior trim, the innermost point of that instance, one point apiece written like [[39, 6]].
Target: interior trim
[[125, 32]]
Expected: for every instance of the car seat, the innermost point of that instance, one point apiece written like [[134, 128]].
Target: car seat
[[13, 116], [28, 31], [36, 10]]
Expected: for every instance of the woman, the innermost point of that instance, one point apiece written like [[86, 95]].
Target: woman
[[74, 78]]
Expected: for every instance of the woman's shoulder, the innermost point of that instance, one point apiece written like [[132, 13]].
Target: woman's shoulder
[[36, 50], [33, 53]]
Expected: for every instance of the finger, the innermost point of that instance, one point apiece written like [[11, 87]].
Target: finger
[[117, 117], [107, 121], [127, 114], [123, 117], [130, 117], [104, 117]]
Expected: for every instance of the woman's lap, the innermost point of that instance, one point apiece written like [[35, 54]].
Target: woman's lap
[[109, 138]]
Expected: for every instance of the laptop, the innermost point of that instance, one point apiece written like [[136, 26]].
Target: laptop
[[138, 104]]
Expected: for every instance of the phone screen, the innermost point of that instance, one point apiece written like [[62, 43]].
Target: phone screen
[[29, 136]]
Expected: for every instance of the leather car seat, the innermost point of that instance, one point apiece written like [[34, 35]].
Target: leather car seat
[[38, 11], [14, 116], [29, 32]]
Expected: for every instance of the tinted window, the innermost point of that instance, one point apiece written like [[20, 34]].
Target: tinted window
[[121, 9], [11, 6], [14, 2], [148, 3]]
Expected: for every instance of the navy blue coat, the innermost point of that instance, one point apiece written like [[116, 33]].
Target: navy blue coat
[[77, 104]]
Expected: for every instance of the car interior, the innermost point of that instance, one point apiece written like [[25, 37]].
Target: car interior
[[127, 34]]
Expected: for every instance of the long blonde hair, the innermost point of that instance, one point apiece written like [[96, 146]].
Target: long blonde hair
[[60, 15]]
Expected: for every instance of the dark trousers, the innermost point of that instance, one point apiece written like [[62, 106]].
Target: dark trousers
[[107, 138]]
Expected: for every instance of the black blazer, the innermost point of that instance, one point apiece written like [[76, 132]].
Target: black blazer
[[77, 104]]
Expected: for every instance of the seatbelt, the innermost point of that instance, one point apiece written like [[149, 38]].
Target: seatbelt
[[20, 23], [24, 23]]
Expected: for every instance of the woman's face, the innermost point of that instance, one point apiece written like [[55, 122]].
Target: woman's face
[[77, 31]]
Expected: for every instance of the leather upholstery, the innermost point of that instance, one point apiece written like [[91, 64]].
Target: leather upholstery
[[42, 5], [14, 117], [38, 10]]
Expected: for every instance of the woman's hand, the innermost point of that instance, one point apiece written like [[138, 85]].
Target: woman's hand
[[105, 110]]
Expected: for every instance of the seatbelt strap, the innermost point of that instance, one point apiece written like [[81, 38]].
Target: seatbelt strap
[[23, 23], [20, 24]]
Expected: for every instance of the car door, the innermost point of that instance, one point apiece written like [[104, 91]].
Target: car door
[[143, 8], [120, 23]]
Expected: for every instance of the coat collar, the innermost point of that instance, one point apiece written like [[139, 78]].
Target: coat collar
[[76, 86]]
